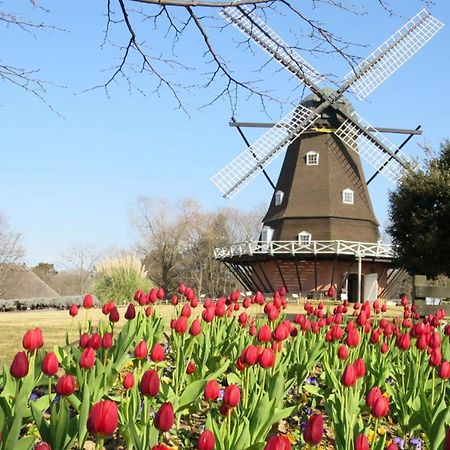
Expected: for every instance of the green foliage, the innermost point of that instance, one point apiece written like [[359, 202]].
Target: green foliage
[[419, 212], [118, 279]]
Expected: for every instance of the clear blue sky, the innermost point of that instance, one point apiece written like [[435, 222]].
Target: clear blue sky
[[75, 179]]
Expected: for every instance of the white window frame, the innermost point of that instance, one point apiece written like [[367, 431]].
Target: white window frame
[[348, 197], [304, 238], [312, 158], [279, 198], [266, 234]]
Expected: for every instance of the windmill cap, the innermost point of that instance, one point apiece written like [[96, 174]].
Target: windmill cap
[[312, 101]]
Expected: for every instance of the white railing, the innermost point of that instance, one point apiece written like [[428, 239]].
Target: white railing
[[363, 249]]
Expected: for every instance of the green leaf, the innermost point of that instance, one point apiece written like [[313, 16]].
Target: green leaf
[[82, 419], [191, 393], [41, 423], [62, 425], [25, 443]]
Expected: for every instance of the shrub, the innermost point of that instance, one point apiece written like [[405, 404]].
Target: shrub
[[118, 278]]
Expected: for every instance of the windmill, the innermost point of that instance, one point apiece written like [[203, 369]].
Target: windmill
[[320, 223]]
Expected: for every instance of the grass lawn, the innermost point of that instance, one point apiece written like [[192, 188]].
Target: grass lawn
[[55, 323]]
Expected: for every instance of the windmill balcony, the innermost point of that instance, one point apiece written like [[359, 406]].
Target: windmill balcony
[[338, 247]]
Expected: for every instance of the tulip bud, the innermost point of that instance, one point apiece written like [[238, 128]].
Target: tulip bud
[[157, 353], [150, 383], [195, 328], [384, 347], [73, 310], [84, 340], [95, 341], [65, 385], [267, 358], [148, 311], [50, 364], [33, 340], [103, 418], [19, 366], [313, 431], [141, 350], [342, 352], [128, 381], [349, 376], [373, 395], [444, 370], [242, 319], [264, 334], [42, 446], [88, 301], [360, 367], [165, 417], [114, 315], [250, 355], [206, 441], [181, 325], [130, 313], [87, 358], [107, 340], [232, 395], [279, 442], [361, 442], [212, 390], [435, 357], [380, 407], [160, 293], [191, 368]]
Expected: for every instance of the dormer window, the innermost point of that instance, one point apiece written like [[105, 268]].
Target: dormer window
[[312, 159], [348, 197], [266, 234], [304, 238], [279, 198]]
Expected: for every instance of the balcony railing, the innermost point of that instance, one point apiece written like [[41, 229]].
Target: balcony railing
[[362, 249]]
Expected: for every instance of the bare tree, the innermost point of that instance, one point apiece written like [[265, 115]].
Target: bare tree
[[11, 249], [79, 260]]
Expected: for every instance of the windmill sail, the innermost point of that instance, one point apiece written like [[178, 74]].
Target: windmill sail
[[242, 169], [392, 54], [252, 26], [393, 163]]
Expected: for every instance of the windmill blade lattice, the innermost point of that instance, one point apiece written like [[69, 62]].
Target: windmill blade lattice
[[252, 26], [393, 53], [370, 151], [242, 169]]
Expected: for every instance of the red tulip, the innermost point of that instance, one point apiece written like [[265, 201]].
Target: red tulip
[[195, 328], [267, 358], [181, 325], [19, 366], [128, 381], [42, 446], [106, 308], [141, 350], [349, 376], [130, 313], [206, 441], [232, 395], [148, 311], [160, 447], [50, 364], [208, 314], [392, 446], [65, 385], [373, 395], [352, 338], [342, 352], [107, 340], [114, 315], [444, 370], [250, 355], [381, 407], [212, 390], [361, 442], [242, 319], [88, 301], [360, 367], [160, 293], [435, 357], [33, 339], [191, 368], [279, 442], [73, 310], [165, 417], [150, 383], [103, 418], [313, 431], [95, 341], [157, 353], [384, 347], [265, 334], [84, 340], [87, 358], [447, 439]]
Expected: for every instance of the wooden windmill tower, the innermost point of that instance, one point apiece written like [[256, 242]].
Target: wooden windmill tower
[[320, 228]]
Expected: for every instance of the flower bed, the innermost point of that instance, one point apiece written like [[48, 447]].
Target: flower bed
[[232, 373]]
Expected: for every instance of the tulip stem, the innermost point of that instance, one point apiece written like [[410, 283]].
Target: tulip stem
[[99, 444], [432, 386], [49, 392]]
